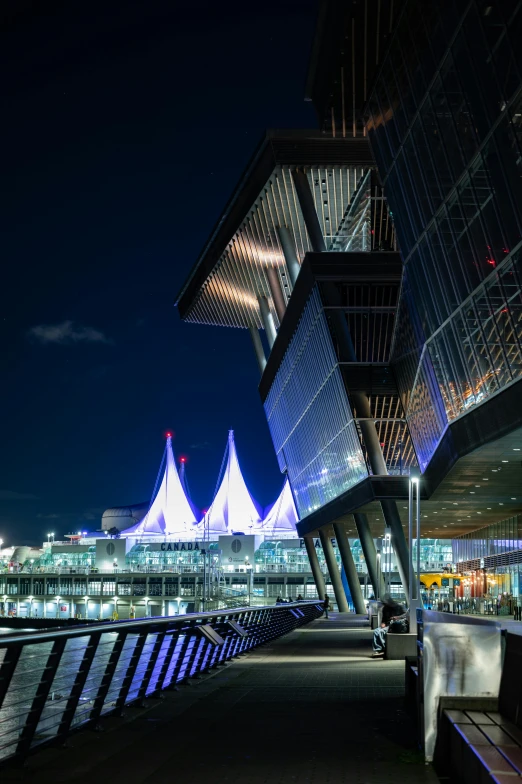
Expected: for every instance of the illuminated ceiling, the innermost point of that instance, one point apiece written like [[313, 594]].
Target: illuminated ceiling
[[482, 488]]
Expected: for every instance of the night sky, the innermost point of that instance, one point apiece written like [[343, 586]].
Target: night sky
[[125, 128]]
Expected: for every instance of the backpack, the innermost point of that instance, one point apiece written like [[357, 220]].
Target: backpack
[[400, 626]]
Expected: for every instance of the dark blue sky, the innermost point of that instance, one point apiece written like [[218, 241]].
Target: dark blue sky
[[125, 127]]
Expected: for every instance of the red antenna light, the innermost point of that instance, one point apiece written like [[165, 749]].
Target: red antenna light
[[168, 435], [183, 460]]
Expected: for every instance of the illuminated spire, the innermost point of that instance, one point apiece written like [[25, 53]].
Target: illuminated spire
[[281, 517], [233, 509], [170, 512]]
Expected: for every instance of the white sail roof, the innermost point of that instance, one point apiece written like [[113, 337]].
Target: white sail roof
[[170, 512], [282, 516], [233, 510]]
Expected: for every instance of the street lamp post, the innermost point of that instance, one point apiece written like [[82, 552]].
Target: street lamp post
[[248, 567], [378, 586], [414, 593], [203, 599]]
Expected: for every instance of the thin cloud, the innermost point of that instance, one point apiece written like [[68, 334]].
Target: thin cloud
[[66, 333], [201, 445], [48, 516], [11, 495]]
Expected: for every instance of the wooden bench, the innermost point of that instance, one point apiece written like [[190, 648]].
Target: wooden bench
[[479, 741]]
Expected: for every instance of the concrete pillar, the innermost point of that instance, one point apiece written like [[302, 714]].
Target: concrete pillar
[[349, 568], [333, 570], [306, 202], [276, 291], [258, 348], [314, 566], [370, 554], [288, 246], [268, 321]]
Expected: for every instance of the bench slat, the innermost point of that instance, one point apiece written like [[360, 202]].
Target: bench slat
[[492, 759], [457, 717], [478, 717], [472, 735], [498, 736], [514, 756]]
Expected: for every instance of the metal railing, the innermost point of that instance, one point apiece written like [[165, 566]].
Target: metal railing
[[53, 682]]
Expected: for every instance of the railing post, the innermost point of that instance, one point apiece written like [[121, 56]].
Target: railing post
[[160, 636], [191, 653], [131, 669], [38, 703], [110, 669], [77, 687], [7, 669], [174, 637], [181, 657]]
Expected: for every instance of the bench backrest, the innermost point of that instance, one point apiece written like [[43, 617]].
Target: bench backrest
[[510, 695]]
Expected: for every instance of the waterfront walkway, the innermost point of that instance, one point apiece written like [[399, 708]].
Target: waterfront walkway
[[310, 707]]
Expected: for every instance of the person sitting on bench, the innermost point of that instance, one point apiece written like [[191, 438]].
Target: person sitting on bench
[[391, 611]]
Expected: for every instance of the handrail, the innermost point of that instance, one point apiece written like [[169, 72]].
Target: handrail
[[189, 619]]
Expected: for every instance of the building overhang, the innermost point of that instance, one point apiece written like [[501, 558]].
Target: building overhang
[[231, 272]]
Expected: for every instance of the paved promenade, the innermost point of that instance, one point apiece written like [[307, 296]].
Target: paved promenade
[[311, 707]]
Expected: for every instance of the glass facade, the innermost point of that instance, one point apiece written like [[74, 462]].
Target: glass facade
[[496, 539], [310, 418], [445, 124]]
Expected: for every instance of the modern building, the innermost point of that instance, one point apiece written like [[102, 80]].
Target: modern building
[[376, 265]]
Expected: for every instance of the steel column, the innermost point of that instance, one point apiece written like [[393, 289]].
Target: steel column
[[276, 292], [306, 202], [369, 435], [314, 566], [370, 554], [267, 319], [258, 348], [288, 247], [393, 520], [335, 575], [349, 568]]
